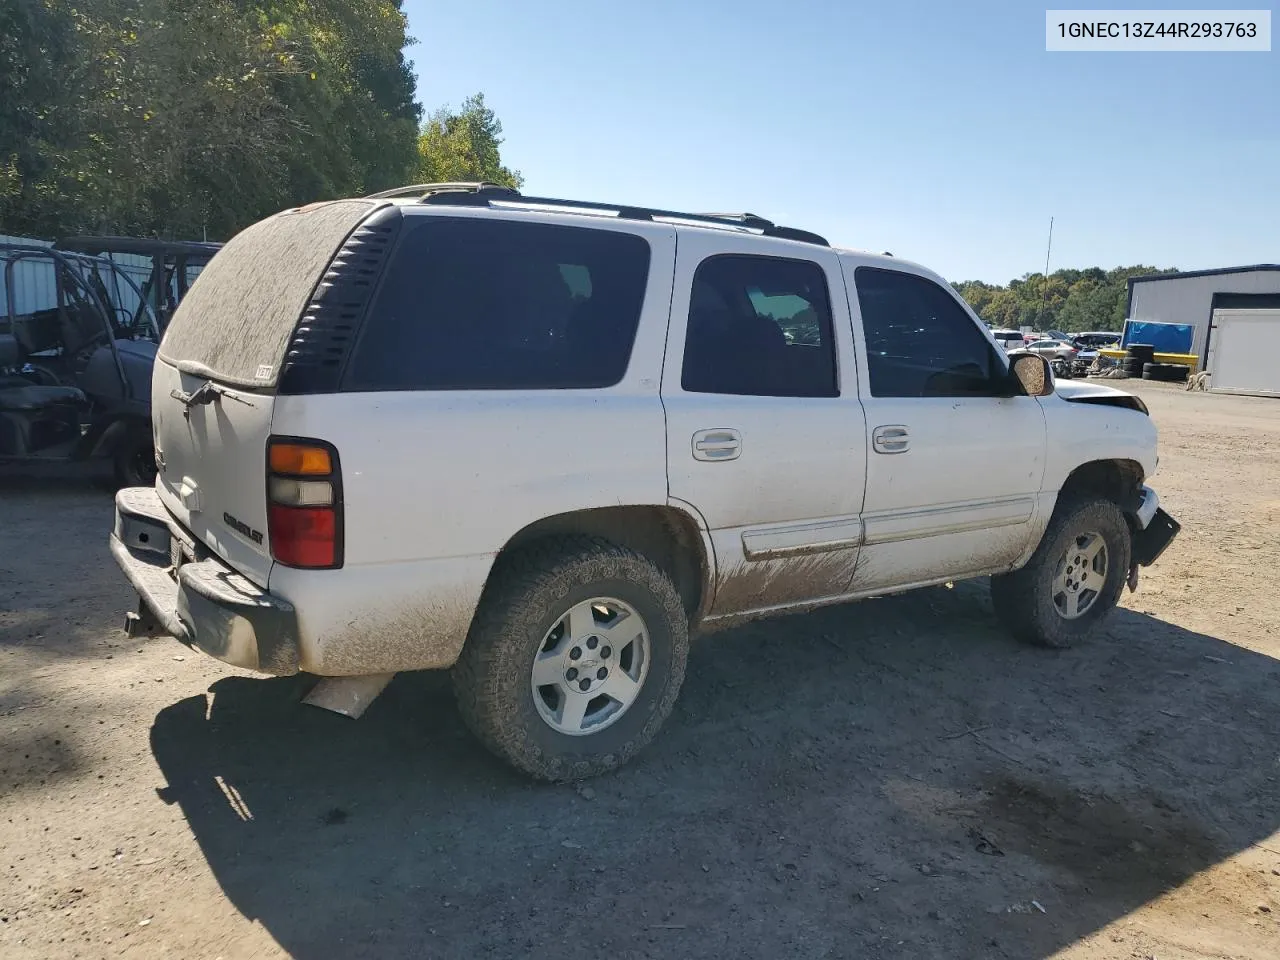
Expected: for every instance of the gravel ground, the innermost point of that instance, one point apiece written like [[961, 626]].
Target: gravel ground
[[893, 778]]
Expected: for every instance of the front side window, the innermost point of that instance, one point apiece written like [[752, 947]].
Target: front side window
[[920, 342], [481, 304], [759, 326]]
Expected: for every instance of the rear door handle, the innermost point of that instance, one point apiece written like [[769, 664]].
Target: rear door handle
[[892, 438], [720, 443]]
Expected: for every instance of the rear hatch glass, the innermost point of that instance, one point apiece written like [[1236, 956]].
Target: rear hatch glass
[[232, 329], [234, 324]]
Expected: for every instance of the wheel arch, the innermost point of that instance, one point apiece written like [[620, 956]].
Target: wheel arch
[[671, 536], [1118, 480]]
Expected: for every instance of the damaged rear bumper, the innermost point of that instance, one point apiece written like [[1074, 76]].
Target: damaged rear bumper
[[1155, 530], [197, 598]]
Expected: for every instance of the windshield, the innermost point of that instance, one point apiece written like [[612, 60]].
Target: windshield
[[131, 315]]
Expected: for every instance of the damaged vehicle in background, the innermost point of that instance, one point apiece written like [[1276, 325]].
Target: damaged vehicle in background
[[438, 432], [171, 267], [1090, 343], [1064, 359], [77, 346]]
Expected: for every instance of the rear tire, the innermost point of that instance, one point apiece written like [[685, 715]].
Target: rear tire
[[1057, 600], [524, 623], [134, 459]]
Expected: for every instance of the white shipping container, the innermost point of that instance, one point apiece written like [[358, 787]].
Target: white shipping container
[[1244, 352]]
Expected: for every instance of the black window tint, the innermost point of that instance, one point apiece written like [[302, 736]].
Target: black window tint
[[500, 305], [759, 326], [920, 342]]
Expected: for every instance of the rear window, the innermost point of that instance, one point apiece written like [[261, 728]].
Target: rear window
[[488, 304], [235, 323]]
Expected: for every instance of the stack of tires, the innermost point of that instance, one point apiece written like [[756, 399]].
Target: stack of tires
[[1168, 372], [1136, 358], [1140, 361]]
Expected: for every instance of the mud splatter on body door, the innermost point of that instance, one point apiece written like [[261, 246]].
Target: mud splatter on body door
[[753, 584]]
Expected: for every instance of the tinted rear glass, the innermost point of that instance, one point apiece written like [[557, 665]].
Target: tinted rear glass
[[236, 321], [489, 304]]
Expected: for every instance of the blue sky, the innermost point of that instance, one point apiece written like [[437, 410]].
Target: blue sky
[[940, 131]]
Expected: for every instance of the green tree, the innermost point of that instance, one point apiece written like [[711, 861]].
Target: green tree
[[43, 155], [177, 118], [979, 295], [1069, 300], [464, 146]]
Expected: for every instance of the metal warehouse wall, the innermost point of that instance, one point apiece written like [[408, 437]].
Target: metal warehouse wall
[[1190, 299], [33, 281]]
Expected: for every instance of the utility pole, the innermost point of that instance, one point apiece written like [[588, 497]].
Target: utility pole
[[1044, 297]]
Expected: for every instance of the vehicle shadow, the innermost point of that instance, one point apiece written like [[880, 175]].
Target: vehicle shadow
[[44, 477], [893, 778]]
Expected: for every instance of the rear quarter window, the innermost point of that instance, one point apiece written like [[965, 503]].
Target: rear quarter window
[[489, 304]]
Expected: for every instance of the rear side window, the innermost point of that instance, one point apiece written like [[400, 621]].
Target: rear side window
[[759, 326], [480, 304]]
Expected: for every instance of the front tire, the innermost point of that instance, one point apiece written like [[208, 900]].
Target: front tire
[[575, 658], [1073, 581]]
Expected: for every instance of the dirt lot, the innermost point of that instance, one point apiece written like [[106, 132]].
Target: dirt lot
[[889, 779]]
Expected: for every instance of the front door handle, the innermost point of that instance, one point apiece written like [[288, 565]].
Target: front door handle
[[717, 444], [893, 438]]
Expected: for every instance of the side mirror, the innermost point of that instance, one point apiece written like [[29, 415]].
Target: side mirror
[[1033, 373]]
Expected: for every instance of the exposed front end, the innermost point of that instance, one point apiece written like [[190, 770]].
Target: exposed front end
[[1153, 531]]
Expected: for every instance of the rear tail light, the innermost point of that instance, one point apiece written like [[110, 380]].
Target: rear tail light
[[301, 459], [301, 493], [304, 503]]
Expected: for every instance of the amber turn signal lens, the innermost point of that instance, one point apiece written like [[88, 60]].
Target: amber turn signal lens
[[300, 460]]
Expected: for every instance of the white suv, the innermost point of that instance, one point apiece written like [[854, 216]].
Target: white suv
[[539, 442], [1009, 339]]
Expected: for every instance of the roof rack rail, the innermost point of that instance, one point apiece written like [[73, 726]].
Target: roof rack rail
[[424, 190], [746, 219], [483, 193]]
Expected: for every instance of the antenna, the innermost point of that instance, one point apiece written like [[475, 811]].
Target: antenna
[[1044, 297]]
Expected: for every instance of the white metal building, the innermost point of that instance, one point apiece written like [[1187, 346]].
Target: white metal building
[[1235, 312], [35, 286]]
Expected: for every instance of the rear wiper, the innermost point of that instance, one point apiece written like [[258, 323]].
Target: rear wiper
[[207, 392]]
